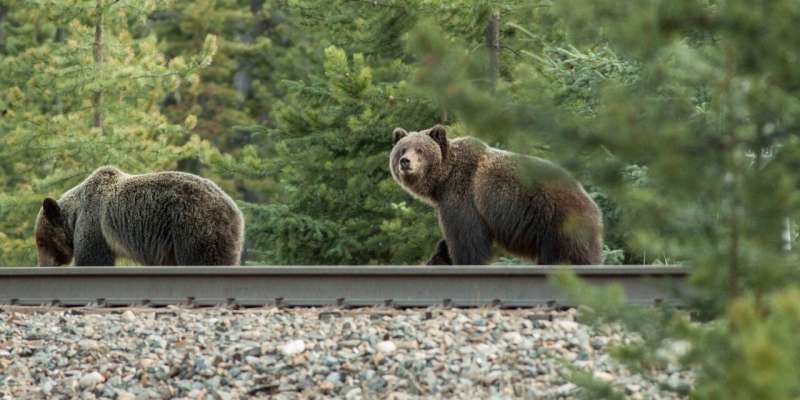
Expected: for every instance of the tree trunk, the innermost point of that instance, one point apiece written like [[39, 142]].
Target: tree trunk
[[97, 99], [493, 48], [733, 271], [3, 11], [787, 234]]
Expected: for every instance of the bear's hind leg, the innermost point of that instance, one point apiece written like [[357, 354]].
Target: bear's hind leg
[[468, 238], [564, 251], [199, 255], [206, 252], [441, 256]]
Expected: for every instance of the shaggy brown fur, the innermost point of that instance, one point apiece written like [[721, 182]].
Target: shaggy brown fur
[[165, 218], [530, 206]]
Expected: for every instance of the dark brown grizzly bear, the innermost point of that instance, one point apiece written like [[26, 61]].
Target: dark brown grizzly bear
[[530, 206], [164, 218]]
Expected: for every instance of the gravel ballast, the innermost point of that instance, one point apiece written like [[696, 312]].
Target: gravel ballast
[[309, 353]]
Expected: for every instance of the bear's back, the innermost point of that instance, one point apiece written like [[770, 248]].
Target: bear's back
[[175, 193], [149, 217], [539, 210]]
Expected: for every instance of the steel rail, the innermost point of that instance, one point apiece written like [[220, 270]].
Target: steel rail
[[399, 286]]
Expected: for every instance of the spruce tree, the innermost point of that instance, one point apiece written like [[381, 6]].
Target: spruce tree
[[338, 204], [224, 97], [327, 145]]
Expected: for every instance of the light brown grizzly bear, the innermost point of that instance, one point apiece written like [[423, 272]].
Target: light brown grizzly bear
[[164, 218], [530, 206]]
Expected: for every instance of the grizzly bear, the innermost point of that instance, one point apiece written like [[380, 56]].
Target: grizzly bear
[[164, 218], [530, 206]]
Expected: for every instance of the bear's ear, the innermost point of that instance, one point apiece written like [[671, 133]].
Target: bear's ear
[[397, 134], [51, 211], [439, 134]]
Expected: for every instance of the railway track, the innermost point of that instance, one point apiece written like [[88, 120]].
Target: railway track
[[417, 286]]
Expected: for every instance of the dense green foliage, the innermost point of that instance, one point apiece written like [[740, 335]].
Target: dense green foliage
[[680, 117], [702, 152]]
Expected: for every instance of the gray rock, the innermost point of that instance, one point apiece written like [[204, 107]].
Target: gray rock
[[123, 395], [128, 316], [88, 344], [293, 347], [388, 347], [330, 361], [223, 395], [363, 353], [352, 394], [334, 377], [632, 388], [566, 389], [91, 379]]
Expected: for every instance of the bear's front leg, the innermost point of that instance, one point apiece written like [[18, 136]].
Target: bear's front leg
[[91, 249], [440, 256], [93, 254], [468, 238]]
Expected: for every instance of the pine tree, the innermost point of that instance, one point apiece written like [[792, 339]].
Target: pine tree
[[85, 81], [326, 143], [225, 96], [339, 204]]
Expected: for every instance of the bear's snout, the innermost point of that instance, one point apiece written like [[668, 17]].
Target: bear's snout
[[405, 164]]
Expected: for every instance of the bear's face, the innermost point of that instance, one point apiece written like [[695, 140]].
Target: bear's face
[[418, 159], [52, 239]]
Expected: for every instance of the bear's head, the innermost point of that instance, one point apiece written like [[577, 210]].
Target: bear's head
[[53, 240], [418, 160]]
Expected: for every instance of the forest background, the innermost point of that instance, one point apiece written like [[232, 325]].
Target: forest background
[[681, 117], [288, 105]]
